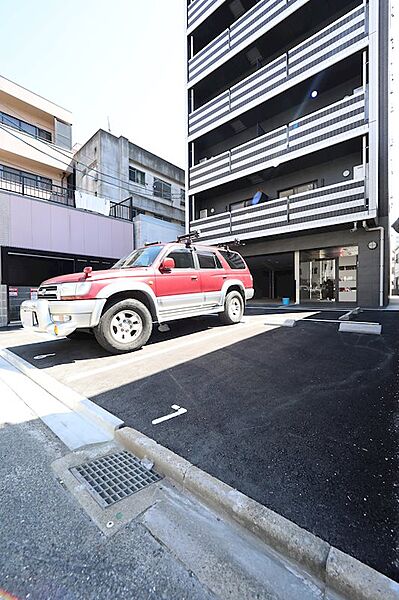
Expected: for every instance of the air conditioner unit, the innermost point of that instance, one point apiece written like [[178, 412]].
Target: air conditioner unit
[[203, 213]]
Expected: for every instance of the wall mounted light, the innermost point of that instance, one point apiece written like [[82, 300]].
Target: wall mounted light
[[314, 94]]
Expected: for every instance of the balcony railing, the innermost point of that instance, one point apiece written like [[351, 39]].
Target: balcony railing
[[338, 203], [335, 123], [54, 193], [342, 38], [36, 189], [252, 25], [199, 10]]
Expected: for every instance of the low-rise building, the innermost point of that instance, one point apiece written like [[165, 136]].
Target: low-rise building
[[144, 187], [42, 233]]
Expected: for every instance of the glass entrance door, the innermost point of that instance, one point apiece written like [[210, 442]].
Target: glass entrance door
[[329, 275]]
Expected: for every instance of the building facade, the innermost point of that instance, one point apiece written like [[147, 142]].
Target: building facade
[[143, 186], [288, 143], [42, 233]]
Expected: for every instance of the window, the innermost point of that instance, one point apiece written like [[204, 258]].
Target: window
[[28, 179], [136, 176], [162, 189], [183, 258], [297, 189], [182, 197], [25, 127], [209, 260], [142, 257], [233, 259]]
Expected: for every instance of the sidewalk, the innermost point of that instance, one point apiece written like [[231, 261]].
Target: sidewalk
[[176, 549]]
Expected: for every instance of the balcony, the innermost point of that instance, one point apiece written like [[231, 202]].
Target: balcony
[[24, 186], [332, 44], [265, 15], [199, 10], [322, 207], [331, 125]]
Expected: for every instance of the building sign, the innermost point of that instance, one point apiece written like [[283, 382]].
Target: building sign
[[13, 291], [33, 293]]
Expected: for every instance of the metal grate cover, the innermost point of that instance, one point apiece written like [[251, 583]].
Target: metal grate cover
[[114, 477]]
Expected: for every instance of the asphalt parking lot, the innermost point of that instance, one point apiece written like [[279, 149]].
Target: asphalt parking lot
[[301, 419]]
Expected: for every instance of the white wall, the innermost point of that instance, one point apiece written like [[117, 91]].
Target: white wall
[[150, 229]]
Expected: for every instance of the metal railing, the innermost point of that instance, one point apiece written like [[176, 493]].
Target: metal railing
[[345, 36], [123, 210], [37, 189], [199, 10], [336, 122], [250, 26], [339, 202]]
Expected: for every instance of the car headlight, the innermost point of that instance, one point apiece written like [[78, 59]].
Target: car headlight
[[72, 290]]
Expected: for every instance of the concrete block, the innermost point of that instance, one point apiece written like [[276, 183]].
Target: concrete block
[[289, 323], [355, 580], [353, 327]]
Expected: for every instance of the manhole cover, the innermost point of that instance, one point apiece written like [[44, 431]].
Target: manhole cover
[[114, 477]]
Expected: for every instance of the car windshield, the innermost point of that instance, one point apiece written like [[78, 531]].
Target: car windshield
[[142, 257]]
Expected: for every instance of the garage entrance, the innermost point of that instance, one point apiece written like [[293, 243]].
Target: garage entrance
[[273, 276]]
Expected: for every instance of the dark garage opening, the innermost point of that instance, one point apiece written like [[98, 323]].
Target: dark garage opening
[[273, 276]]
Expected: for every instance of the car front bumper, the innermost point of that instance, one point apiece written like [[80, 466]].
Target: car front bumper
[[60, 317]]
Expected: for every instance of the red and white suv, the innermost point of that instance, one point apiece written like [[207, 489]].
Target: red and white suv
[[157, 283]]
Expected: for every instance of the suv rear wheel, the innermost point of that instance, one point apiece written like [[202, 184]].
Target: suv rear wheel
[[125, 326], [233, 308]]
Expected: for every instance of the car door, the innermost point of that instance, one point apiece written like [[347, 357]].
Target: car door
[[212, 277], [179, 291]]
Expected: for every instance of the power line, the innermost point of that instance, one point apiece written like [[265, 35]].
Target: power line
[[123, 188], [118, 178]]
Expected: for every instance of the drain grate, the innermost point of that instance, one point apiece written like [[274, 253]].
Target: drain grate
[[114, 477]]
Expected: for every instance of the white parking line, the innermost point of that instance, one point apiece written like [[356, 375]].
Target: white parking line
[[147, 354], [178, 410]]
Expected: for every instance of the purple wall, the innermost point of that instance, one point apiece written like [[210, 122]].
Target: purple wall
[[40, 225]]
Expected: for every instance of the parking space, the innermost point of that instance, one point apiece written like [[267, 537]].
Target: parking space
[[300, 419]]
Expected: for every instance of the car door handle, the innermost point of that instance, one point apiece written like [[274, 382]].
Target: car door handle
[[224, 276], [194, 277]]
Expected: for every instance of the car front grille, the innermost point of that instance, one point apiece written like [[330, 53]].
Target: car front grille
[[49, 292]]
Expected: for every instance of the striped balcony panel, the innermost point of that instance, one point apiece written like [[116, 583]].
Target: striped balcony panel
[[342, 201], [209, 55], [214, 225], [213, 167], [260, 15], [338, 118], [199, 10], [342, 34], [335, 42], [252, 25]]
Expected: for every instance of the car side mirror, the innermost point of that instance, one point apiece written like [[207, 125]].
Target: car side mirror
[[167, 265]]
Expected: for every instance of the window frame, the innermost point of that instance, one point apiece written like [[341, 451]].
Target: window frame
[[185, 251], [314, 183], [19, 177], [17, 123], [161, 192], [140, 173], [217, 262]]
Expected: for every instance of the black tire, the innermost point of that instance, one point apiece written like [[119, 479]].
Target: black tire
[[233, 308], [125, 326]]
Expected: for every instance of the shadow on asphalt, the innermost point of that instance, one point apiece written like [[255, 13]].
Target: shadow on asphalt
[[300, 420]]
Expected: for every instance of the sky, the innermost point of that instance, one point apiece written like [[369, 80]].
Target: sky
[[122, 60]]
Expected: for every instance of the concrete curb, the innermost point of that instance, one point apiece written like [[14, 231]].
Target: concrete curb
[[340, 572], [73, 400], [358, 327]]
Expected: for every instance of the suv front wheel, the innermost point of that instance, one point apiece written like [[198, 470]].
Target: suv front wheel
[[125, 326], [233, 308]]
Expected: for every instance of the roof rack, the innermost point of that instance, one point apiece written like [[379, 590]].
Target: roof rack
[[235, 242], [152, 243], [188, 238]]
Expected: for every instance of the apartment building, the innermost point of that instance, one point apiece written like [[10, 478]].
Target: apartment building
[[42, 232], [144, 188], [288, 145]]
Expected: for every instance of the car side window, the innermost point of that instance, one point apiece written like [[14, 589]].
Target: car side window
[[233, 259], [183, 258], [208, 260]]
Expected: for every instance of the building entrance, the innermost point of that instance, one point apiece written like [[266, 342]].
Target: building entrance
[[329, 275], [273, 276]]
